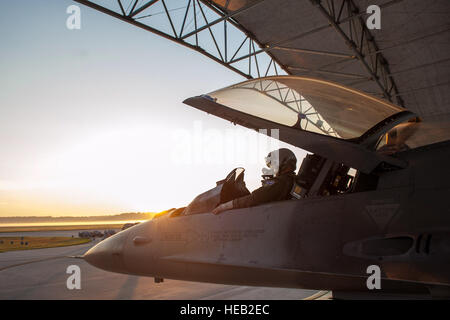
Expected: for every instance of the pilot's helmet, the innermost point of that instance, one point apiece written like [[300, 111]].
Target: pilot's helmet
[[281, 160]]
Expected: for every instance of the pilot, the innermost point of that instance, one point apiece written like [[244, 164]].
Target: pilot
[[282, 164]]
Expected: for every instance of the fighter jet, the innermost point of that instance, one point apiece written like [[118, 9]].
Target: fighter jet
[[372, 195]]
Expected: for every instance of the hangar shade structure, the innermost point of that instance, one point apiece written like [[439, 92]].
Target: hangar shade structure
[[405, 62]]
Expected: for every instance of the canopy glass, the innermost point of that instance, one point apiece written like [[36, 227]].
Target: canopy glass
[[306, 103]]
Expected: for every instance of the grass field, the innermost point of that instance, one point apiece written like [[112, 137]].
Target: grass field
[[27, 243], [62, 227]]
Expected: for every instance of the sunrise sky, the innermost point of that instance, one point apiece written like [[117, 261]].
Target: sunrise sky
[[92, 120]]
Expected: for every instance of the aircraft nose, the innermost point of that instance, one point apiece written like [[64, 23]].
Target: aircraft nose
[[108, 254]]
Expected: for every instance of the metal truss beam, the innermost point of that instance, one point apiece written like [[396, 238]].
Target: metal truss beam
[[223, 18], [334, 73], [196, 11], [314, 52], [361, 43], [269, 48], [142, 8], [251, 36]]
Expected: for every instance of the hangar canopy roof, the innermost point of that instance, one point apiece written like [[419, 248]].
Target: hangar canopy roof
[[406, 61]]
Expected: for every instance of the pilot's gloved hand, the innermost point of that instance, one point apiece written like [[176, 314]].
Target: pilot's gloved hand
[[223, 207]]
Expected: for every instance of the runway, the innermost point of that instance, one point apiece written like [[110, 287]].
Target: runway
[[41, 274]]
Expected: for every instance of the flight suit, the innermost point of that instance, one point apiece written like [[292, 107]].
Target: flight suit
[[279, 188]]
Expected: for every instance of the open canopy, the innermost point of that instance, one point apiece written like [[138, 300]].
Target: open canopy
[[330, 109], [308, 104], [319, 116]]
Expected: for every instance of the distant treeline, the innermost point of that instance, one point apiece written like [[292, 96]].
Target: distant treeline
[[116, 217]]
